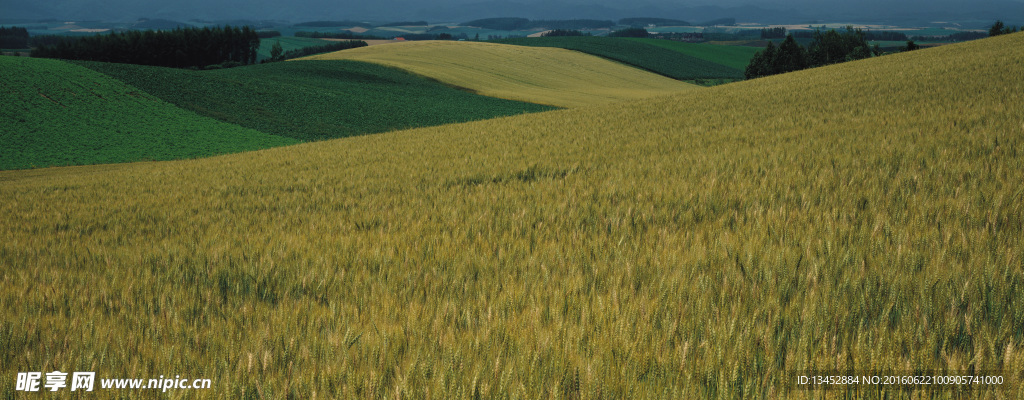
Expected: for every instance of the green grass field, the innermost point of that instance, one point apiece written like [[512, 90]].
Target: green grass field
[[862, 217], [58, 113], [736, 57], [314, 100], [661, 60]]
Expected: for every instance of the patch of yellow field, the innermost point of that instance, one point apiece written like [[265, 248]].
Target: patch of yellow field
[[557, 77]]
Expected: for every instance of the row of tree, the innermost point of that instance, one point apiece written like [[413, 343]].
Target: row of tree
[[953, 37], [999, 28], [826, 48], [277, 52], [515, 24], [13, 38], [773, 33], [335, 35], [630, 32], [781, 32], [334, 24], [178, 48], [564, 32], [642, 22]]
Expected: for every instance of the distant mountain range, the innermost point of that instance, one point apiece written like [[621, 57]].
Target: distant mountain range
[[763, 11]]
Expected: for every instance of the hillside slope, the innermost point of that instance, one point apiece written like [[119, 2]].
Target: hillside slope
[[860, 217], [315, 100], [661, 60], [540, 75], [57, 113], [737, 57]]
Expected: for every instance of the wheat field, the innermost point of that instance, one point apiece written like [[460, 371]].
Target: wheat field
[[549, 76], [712, 244]]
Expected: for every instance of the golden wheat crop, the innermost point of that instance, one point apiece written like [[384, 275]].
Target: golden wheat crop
[[861, 217], [551, 76]]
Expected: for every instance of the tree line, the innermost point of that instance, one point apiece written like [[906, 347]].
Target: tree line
[[999, 28], [334, 24], [13, 38], [630, 32], [826, 48], [178, 48], [515, 24], [335, 35], [773, 33], [642, 22], [564, 32], [953, 37], [277, 52]]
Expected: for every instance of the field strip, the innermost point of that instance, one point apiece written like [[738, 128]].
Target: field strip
[[549, 76]]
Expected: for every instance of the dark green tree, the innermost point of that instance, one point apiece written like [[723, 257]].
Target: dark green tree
[[790, 57], [630, 32], [910, 46], [996, 29], [761, 64], [276, 52]]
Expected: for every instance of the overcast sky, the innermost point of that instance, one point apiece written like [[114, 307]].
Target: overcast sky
[[461, 10]]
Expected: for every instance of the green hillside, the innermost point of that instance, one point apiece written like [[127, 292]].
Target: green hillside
[[57, 113], [731, 56], [660, 60], [313, 100]]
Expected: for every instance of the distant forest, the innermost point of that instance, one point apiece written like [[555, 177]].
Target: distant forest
[[515, 24], [13, 38], [642, 22], [334, 24], [335, 35], [178, 48], [826, 48]]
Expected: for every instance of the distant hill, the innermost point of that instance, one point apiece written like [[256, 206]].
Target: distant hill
[[736, 57], [541, 75], [643, 55], [158, 24]]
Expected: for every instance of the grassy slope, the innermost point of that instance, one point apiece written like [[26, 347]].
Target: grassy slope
[[56, 113], [551, 76], [311, 100], [736, 57], [668, 62], [702, 245]]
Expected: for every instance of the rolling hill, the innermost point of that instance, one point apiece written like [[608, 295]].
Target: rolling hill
[[540, 75], [736, 57], [315, 100], [667, 61], [864, 216], [57, 113]]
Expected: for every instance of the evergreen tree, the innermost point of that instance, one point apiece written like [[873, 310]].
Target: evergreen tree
[[791, 56], [996, 29], [761, 64], [276, 52]]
